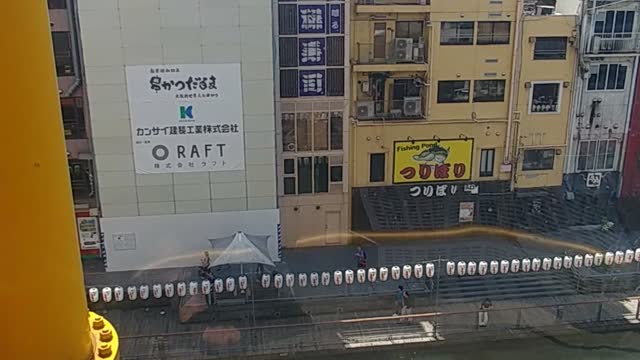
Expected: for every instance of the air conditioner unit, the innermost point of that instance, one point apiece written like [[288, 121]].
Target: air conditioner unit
[[545, 10], [365, 109], [411, 106], [403, 49]]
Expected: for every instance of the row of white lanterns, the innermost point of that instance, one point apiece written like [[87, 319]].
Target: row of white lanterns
[[459, 268]]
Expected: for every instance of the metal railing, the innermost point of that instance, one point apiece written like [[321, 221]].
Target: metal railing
[[341, 334], [393, 2], [615, 43], [397, 51], [408, 108]]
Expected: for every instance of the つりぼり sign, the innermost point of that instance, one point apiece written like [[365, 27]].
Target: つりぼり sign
[[432, 160]]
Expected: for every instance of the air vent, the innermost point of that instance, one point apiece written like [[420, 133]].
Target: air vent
[[490, 74], [491, 60], [495, 14]]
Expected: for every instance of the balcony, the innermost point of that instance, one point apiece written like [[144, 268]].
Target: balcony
[[408, 108], [392, 6], [403, 54], [615, 43]]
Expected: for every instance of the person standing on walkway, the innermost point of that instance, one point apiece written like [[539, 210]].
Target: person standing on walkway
[[361, 257], [399, 301], [407, 309]]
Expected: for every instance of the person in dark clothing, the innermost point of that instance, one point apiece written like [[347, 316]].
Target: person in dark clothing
[[407, 309], [361, 257], [399, 300]]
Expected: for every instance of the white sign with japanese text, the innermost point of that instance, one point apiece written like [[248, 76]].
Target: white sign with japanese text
[[186, 118]]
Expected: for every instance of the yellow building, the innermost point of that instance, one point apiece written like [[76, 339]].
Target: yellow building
[[458, 109]]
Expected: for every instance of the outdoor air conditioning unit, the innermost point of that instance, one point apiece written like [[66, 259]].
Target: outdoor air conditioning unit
[[542, 10], [403, 49], [365, 109], [411, 106]]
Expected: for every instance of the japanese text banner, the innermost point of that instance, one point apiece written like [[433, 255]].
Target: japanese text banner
[[432, 160], [186, 118]]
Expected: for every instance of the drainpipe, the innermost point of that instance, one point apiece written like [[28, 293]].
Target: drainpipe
[[75, 49], [515, 79]]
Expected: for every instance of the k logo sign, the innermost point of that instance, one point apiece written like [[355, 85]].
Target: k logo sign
[[186, 113]]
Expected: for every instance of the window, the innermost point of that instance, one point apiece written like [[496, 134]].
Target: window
[[401, 90], [62, 52], [550, 48], [487, 157], [409, 29], [454, 91], [288, 50], [596, 155], [335, 82], [81, 176], [456, 33], [310, 174], [545, 98], [73, 118], [488, 90], [538, 159], [336, 131], [288, 83], [335, 51], [311, 131], [618, 22], [57, 4], [493, 32], [376, 167], [607, 77], [288, 19]]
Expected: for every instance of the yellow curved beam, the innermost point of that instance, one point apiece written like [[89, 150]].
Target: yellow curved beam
[[42, 299]]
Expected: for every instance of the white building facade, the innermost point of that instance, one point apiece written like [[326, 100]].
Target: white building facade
[[181, 97], [603, 96]]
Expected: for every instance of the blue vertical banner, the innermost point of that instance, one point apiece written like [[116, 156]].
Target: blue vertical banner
[[311, 51], [335, 19], [312, 82], [311, 19]]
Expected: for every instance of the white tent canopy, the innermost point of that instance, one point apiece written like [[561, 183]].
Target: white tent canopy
[[240, 248]]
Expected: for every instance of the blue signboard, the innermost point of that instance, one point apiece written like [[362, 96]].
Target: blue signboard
[[311, 51], [311, 19], [312, 82]]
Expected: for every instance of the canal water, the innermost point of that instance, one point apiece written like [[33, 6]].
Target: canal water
[[619, 345]]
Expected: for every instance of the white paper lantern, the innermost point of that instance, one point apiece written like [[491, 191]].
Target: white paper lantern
[[302, 280], [348, 276], [266, 281], [406, 272], [568, 261], [546, 264], [193, 288], [588, 260], [636, 255], [169, 290], [526, 265], [372, 274], [628, 256], [482, 267], [206, 287], [314, 279], [243, 282], [132, 293], [94, 295], [608, 258], [618, 258], [289, 280], [471, 268], [182, 289], [277, 281], [462, 268], [395, 272], [504, 266], [144, 292], [118, 293], [494, 267], [325, 279], [218, 285], [451, 268], [107, 294], [337, 277], [384, 274], [361, 275], [598, 259], [535, 264], [230, 284], [430, 270], [157, 291], [577, 261], [515, 266], [418, 271], [557, 263]]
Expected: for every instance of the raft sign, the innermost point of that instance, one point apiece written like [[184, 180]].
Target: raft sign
[[416, 161]]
